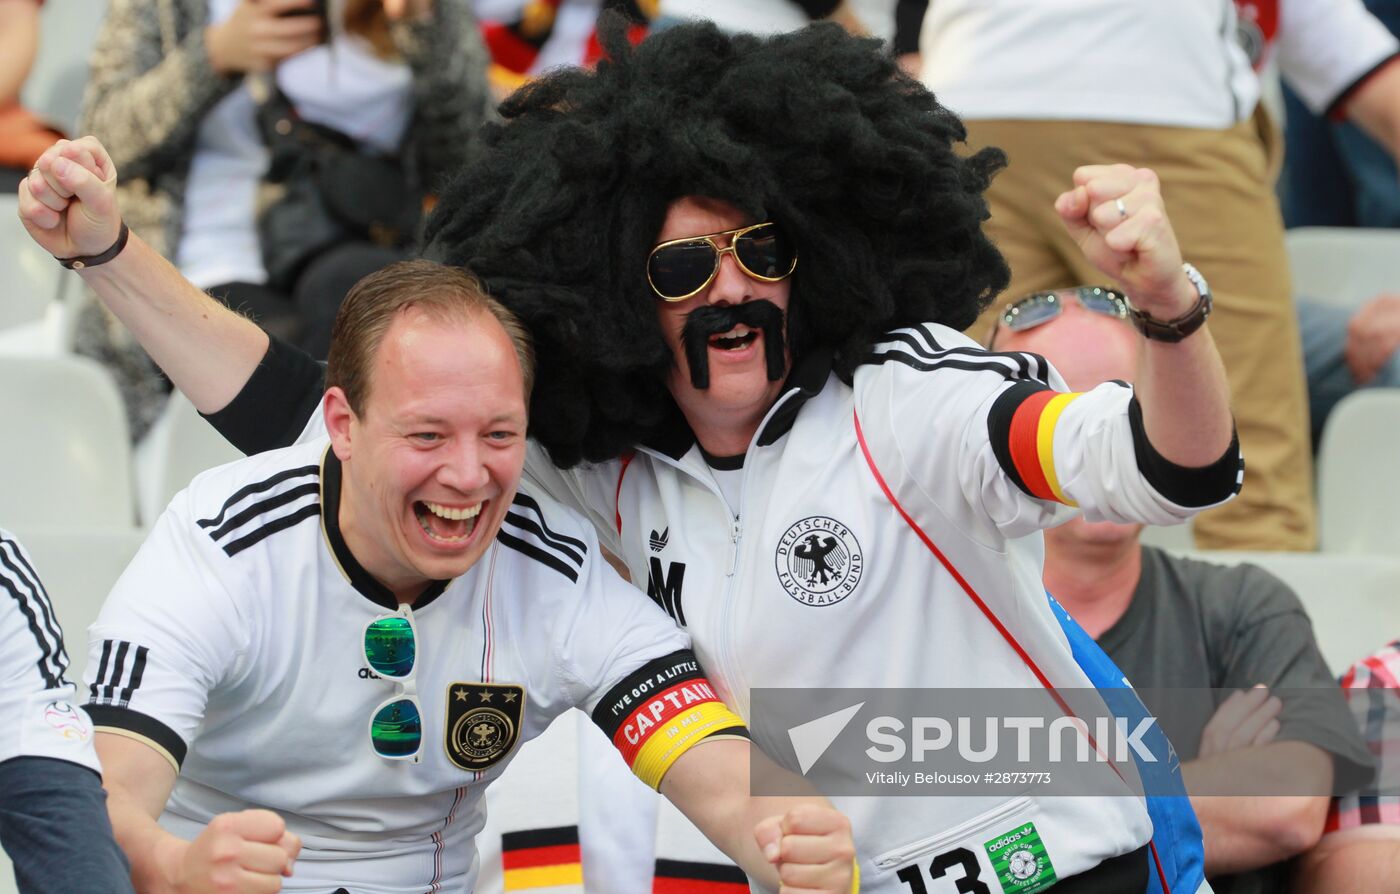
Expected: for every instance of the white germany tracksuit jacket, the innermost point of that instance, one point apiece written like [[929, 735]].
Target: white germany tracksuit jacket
[[976, 450]]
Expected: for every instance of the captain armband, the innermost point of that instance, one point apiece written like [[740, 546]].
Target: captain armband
[[662, 710]]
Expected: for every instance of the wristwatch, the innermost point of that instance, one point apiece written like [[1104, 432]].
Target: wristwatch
[[1177, 329]]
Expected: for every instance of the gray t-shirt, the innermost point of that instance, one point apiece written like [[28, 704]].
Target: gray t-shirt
[[1199, 626]]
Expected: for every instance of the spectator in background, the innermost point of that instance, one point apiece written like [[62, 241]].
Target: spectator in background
[[764, 16], [1360, 850], [1345, 349], [529, 37], [53, 817], [177, 90], [22, 136], [1334, 173], [1198, 630], [1167, 85]]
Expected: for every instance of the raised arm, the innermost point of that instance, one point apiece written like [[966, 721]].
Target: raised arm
[[68, 205], [1116, 215]]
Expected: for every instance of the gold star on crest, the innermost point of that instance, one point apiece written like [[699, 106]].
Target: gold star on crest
[[485, 695], [509, 697], [461, 695]]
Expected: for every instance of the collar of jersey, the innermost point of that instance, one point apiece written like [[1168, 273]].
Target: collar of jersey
[[808, 376], [354, 572]]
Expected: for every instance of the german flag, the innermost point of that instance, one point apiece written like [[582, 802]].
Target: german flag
[[542, 860], [1022, 429], [681, 877]]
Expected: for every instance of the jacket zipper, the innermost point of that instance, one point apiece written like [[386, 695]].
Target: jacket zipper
[[724, 650]]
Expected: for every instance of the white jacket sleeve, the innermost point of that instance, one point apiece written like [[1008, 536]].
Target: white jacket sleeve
[[1000, 445]]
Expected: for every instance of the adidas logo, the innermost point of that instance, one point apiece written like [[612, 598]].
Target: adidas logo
[[658, 541]]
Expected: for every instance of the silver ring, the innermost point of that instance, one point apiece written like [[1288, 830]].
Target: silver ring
[[1122, 209]]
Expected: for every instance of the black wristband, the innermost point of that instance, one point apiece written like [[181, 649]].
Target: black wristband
[[82, 263]]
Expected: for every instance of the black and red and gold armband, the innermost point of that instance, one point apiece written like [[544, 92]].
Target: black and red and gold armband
[[661, 711], [1021, 426]]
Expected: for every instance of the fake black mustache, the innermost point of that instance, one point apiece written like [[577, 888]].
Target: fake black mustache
[[715, 319]]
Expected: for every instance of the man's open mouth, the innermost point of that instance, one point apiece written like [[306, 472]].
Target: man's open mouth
[[447, 524], [736, 339]]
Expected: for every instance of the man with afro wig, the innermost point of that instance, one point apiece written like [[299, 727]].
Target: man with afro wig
[[745, 262]]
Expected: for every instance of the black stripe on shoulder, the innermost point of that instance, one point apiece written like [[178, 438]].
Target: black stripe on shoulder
[[528, 502], [549, 559], [32, 602], [310, 510], [1183, 485], [533, 526], [999, 426], [923, 365], [257, 488], [527, 838], [146, 727], [1031, 366], [311, 488]]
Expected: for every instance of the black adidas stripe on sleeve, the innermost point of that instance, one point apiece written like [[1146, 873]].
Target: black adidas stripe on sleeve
[[20, 588], [120, 671], [253, 514], [920, 350], [526, 531]]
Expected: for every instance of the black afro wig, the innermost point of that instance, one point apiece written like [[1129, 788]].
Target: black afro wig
[[819, 131]]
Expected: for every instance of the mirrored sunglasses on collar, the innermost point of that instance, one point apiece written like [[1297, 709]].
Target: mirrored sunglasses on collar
[[391, 649], [681, 268], [1042, 307]]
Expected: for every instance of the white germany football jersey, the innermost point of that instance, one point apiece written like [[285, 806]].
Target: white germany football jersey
[[234, 645]]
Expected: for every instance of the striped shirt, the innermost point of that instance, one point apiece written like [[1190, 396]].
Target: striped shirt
[[1372, 689]]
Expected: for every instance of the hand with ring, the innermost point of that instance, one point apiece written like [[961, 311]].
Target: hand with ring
[[1116, 215], [68, 203]]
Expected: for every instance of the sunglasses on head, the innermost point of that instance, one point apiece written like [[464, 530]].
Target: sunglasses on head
[[391, 648], [1042, 307], [680, 268]]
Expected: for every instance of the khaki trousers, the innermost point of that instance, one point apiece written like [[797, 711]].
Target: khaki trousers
[[1218, 191]]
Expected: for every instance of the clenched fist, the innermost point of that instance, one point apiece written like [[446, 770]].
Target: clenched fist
[[812, 849], [68, 203]]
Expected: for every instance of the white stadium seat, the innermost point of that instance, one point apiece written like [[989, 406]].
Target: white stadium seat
[[178, 447], [1343, 266], [1357, 492], [1353, 601], [30, 280], [65, 456]]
